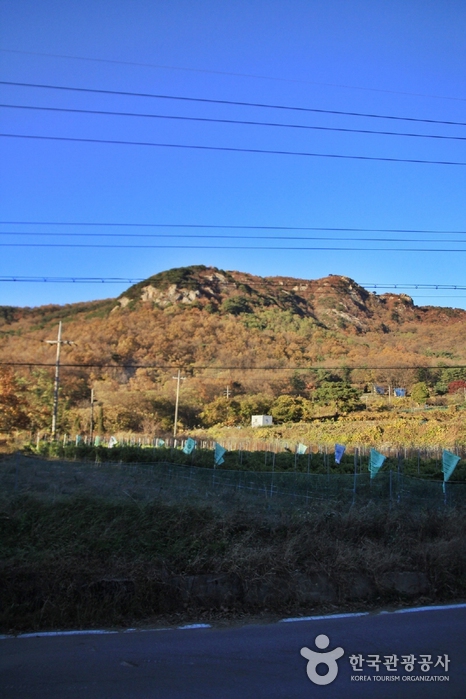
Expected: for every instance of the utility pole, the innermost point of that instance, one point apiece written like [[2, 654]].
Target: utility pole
[[227, 392], [178, 378], [58, 342], [92, 415]]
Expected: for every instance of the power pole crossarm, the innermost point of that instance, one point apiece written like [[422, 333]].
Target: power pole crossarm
[[58, 342]]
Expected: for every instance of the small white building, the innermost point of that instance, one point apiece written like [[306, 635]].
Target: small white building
[[261, 420]]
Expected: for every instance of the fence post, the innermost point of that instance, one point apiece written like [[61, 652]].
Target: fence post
[[355, 474], [398, 476], [16, 470], [273, 471]]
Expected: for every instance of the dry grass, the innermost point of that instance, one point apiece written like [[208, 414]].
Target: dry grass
[[87, 556]]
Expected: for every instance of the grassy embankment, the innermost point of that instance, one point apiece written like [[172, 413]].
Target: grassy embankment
[[84, 551]]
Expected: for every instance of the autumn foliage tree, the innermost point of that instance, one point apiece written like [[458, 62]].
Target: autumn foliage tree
[[457, 386], [13, 403]]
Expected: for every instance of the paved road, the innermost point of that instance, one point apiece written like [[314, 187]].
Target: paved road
[[237, 663]]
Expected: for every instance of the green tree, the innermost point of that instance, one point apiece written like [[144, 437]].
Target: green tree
[[236, 305], [420, 392], [256, 404], [447, 376], [428, 376], [342, 394], [289, 408], [298, 383]]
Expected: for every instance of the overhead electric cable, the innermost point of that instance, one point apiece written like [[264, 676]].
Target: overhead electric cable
[[229, 149], [223, 72], [70, 280], [191, 236], [101, 112], [220, 247], [235, 103], [84, 280], [233, 227], [266, 282], [103, 365], [412, 286]]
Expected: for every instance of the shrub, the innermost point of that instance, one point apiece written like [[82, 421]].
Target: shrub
[[420, 392], [236, 305]]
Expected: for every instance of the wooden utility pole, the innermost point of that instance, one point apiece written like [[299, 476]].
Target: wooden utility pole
[[178, 378], [58, 342], [92, 415]]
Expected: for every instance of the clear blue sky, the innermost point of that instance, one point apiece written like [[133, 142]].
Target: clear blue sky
[[402, 58]]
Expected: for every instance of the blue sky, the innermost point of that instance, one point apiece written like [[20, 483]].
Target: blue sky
[[387, 58]]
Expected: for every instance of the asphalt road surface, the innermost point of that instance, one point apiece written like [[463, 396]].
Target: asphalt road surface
[[260, 661]]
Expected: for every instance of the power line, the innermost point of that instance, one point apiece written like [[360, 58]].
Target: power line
[[235, 103], [84, 280], [225, 237], [170, 367], [229, 149], [413, 286], [70, 280], [217, 226], [267, 282], [231, 74], [221, 247], [102, 112]]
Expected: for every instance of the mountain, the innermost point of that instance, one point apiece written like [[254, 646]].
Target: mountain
[[203, 315], [231, 333], [333, 301]]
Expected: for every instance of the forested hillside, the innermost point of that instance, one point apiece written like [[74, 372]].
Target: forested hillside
[[244, 343]]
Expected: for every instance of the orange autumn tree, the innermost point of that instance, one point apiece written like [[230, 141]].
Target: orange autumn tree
[[13, 404]]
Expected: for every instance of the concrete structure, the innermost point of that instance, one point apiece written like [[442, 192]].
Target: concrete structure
[[261, 420]]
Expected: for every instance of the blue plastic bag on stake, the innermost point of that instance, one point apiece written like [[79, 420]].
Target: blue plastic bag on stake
[[376, 460], [189, 446], [218, 454], [449, 462], [339, 451]]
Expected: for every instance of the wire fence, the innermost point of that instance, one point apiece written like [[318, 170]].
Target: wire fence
[[261, 456], [58, 479], [252, 445]]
